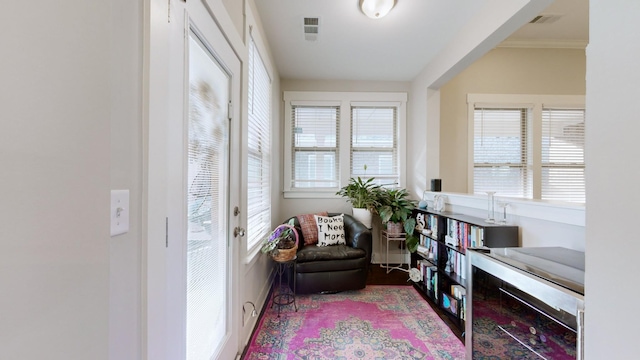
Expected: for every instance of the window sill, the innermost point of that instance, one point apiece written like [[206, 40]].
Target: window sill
[[311, 194], [566, 213], [252, 256]]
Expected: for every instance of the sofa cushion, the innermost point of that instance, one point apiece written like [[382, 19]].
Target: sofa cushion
[[325, 253], [330, 230], [331, 266], [309, 227]]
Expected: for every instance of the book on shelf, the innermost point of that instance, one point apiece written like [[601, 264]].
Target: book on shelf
[[432, 224], [422, 250], [450, 303], [464, 235], [460, 294], [458, 291], [457, 263]]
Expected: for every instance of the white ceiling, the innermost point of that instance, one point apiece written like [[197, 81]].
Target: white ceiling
[[350, 46]]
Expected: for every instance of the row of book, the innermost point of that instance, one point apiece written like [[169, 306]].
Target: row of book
[[456, 301], [456, 263], [429, 276], [428, 221], [464, 235], [428, 248]]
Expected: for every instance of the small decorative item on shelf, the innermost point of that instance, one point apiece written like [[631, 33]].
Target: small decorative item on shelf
[[282, 243], [490, 210], [449, 265], [438, 203], [423, 204], [503, 204]]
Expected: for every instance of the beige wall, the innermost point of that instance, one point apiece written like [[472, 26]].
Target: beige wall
[[501, 71], [55, 154]]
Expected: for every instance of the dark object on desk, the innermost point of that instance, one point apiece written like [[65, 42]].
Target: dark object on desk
[[436, 184], [337, 267]]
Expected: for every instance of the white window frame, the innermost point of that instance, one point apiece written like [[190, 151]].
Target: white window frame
[[345, 100], [533, 101], [254, 235], [382, 180]]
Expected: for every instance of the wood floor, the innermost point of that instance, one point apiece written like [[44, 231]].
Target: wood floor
[[378, 276]]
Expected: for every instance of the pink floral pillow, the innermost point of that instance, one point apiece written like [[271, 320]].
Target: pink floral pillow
[[309, 227]]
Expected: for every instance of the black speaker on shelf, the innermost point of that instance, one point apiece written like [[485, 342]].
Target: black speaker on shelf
[[436, 184]]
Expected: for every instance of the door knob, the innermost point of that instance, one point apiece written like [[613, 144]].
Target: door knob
[[238, 231]]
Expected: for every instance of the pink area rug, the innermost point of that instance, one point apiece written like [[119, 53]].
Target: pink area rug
[[378, 322]]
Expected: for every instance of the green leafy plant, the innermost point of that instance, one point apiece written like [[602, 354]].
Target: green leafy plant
[[361, 193], [394, 205]]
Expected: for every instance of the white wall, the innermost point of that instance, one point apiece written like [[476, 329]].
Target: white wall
[[501, 71], [126, 173], [54, 151], [613, 175]]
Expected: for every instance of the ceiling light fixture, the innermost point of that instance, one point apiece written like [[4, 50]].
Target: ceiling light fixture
[[377, 9]]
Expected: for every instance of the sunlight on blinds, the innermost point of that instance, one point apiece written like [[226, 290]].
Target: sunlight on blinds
[[374, 143], [315, 146], [259, 150], [563, 155], [207, 194], [500, 152]]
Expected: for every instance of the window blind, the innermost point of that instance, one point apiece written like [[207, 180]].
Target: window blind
[[563, 155], [315, 145], [500, 152], [259, 150], [207, 197], [374, 143]]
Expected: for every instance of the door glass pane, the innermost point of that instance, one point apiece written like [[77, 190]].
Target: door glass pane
[[207, 203]]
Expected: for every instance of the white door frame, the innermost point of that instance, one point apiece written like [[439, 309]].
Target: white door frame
[[156, 115]]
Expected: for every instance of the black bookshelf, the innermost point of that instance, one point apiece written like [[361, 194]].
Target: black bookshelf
[[442, 254]]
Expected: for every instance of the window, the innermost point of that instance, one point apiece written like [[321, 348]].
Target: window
[[333, 136], [500, 152], [315, 151], [259, 150], [374, 143], [563, 155], [529, 146]]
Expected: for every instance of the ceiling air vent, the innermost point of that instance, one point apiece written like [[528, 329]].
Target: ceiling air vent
[[545, 19], [311, 25]]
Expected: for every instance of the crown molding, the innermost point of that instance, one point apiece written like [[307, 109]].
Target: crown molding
[[544, 44]]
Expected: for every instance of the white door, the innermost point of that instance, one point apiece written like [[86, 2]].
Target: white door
[[202, 164]]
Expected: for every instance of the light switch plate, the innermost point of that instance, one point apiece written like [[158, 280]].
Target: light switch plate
[[119, 212]]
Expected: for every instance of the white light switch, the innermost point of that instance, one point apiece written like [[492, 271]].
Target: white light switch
[[119, 212]]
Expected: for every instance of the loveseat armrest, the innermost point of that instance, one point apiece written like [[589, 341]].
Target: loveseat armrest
[[357, 235]]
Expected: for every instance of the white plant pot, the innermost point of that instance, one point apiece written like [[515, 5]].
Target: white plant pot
[[364, 216]]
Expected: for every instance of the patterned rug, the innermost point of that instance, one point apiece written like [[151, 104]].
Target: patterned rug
[[378, 322]]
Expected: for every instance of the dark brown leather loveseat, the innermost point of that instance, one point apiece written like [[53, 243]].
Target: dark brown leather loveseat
[[337, 267]]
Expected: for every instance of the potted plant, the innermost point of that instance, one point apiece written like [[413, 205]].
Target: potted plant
[[282, 243], [395, 210], [362, 194]]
